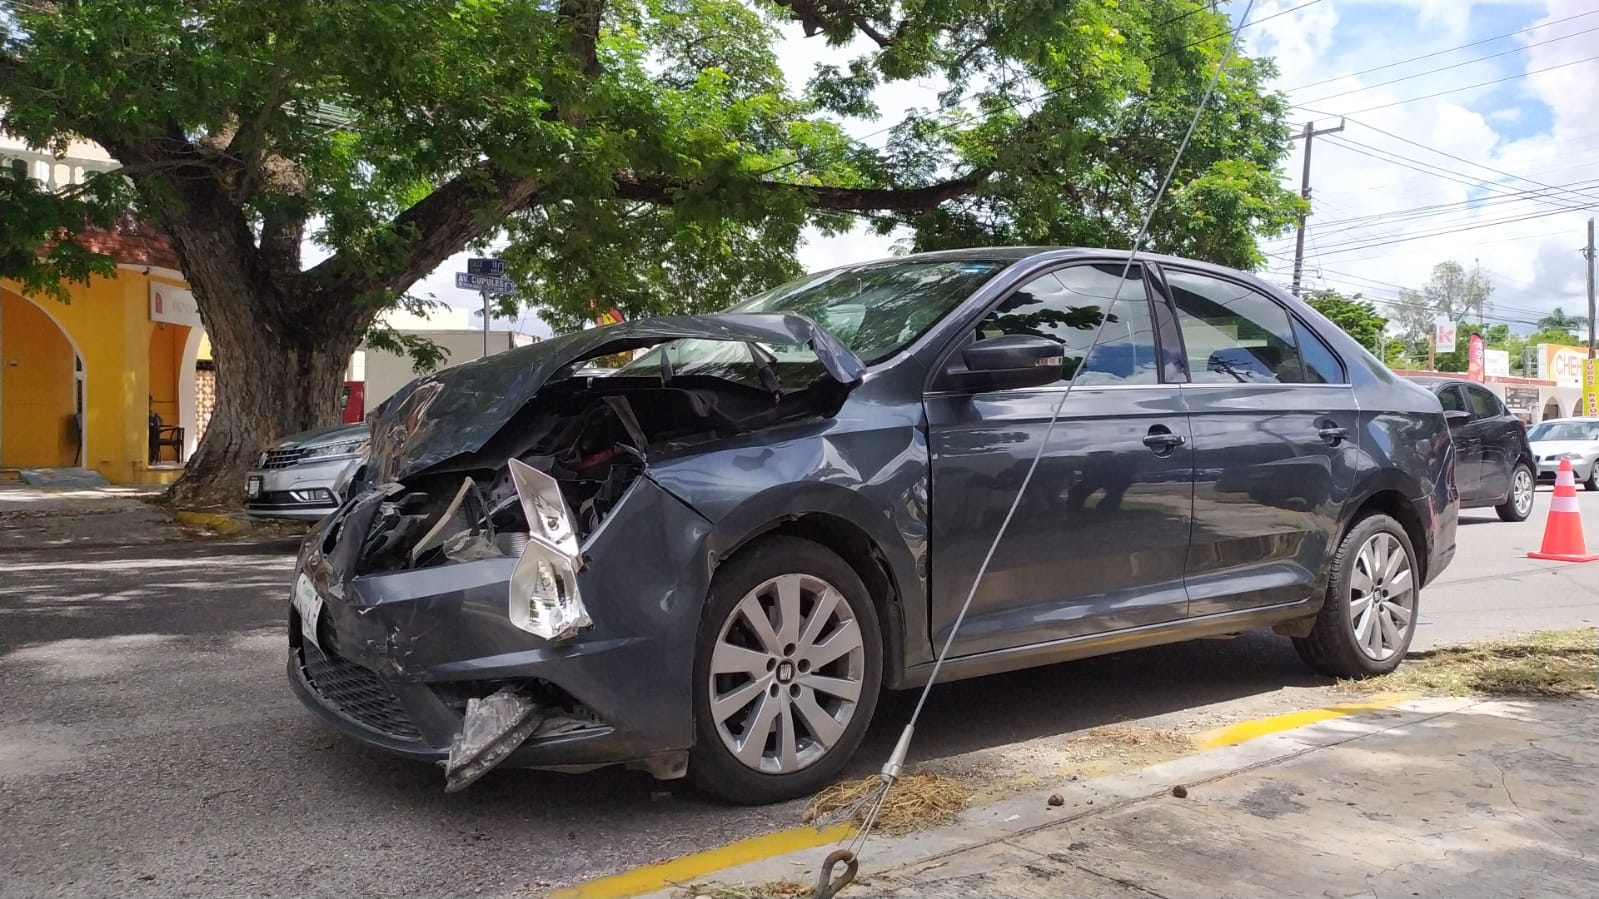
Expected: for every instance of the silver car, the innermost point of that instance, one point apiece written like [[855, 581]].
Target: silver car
[[304, 476], [1562, 439]]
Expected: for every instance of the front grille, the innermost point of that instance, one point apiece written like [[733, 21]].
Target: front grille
[[356, 693], [282, 458]]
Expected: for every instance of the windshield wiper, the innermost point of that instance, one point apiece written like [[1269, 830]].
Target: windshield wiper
[[763, 365]]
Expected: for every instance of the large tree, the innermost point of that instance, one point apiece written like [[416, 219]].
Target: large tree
[[1357, 316], [647, 154]]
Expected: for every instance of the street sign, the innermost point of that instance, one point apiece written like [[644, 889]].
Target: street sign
[[485, 267], [1590, 388], [488, 283]]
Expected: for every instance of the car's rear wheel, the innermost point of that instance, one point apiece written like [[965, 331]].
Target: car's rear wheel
[[1369, 616], [787, 670], [1518, 503]]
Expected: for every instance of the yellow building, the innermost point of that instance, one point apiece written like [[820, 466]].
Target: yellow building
[[80, 380]]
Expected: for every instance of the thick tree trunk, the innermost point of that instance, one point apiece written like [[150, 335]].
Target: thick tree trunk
[[273, 379]]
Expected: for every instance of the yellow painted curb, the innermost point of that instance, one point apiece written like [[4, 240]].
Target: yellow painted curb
[[212, 521], [684, 870], [1244, 731]]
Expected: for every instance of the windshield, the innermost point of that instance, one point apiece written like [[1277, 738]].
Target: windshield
[[1565, 430], [875, 309]]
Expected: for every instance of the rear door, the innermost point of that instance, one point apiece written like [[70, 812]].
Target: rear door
[[1101, 536], [1468, 444], [1275, 427], [1499, 436]]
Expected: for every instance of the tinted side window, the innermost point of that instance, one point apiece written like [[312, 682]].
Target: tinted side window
[[1321, 365], [1483, 403], [1451, 399], [1233, 334], [1067, 306]]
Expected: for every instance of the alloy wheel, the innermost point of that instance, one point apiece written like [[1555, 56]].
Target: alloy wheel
[[1382, 597], [1521, 488], [786, 674]]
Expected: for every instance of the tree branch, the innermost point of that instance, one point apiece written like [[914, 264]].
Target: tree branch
[[835, 17], [663, 191], [584, 15]]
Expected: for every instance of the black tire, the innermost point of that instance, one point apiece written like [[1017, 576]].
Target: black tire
[[713, 767], [1332, 647], [1593, 479], [1508, 510]]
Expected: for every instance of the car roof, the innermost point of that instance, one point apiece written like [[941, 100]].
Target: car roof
[[1439, 380], [1014, 254], [1579, 419]]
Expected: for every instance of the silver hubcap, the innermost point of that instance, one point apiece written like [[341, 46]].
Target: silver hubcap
[[1521, 488], [786, 673], [1382, 597]]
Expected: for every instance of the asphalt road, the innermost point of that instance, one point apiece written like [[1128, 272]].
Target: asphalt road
[[149, 745]]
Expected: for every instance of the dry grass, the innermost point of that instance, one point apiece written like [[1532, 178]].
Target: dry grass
[[918, 800], [1548, 663], [783, 889]]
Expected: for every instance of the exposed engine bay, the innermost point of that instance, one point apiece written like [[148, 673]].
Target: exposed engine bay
[[593, 436]]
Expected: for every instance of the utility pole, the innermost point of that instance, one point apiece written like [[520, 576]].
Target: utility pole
[[485, 323], [1308, 135], [1587, 253]]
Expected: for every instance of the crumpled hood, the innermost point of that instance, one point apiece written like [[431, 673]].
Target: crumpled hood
[[458, 410]]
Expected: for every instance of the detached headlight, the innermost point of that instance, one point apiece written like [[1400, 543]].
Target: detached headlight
[[1574, 457], [347, 448], [544, 596]]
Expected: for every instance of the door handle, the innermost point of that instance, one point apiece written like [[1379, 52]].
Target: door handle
[[1162, 441], [1333, 434]]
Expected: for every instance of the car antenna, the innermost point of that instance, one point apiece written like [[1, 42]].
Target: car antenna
[[826, 885]]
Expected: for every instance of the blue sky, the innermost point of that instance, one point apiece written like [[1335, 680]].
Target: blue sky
[[1489, 168]]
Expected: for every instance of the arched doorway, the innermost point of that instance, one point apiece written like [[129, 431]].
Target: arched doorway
[[1551, 409], [41, 389], [173, 349]]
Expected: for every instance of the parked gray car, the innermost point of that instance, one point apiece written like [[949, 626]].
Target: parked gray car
[[711, 561], [1574, 440], [298, 477]]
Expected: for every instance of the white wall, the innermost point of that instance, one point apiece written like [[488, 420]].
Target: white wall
[[387, 372]]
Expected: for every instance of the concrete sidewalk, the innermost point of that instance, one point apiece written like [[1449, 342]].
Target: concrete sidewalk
[[1447, 798], [44, 517]]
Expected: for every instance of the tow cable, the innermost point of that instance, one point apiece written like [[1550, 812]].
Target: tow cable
[[826, 886]]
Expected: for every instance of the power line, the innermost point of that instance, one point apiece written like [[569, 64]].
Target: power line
[[1467, 62], [1352, 246], [1449, 155], [1427, 168], [1456, 90], [1467, 46], [1470, 204]]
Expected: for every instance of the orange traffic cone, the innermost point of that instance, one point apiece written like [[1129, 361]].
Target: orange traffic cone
[[1562, 536]]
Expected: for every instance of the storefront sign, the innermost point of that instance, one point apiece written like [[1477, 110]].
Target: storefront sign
[[1496, 363], [1444, 337], [173, 305], [1474, 358], [1561, 364], [1521, 399], [1590, 388]]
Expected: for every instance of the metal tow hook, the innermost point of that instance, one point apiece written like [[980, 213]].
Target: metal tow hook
[[826, 886]]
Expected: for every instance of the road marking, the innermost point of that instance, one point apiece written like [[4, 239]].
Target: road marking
[[1244, 731], [684, 870]]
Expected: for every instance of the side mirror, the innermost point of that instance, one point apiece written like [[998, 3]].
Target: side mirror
[[1012, 361], [1456, 418]]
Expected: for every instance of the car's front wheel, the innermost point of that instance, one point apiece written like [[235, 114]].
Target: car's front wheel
[[787, 670], [1592, 483], [1518, 504], [1369, 616]]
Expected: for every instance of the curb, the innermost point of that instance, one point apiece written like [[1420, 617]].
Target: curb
[[215, 522], [1223, 752]]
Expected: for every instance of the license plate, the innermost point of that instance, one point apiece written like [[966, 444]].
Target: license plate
[[252, 487], [308, 603]]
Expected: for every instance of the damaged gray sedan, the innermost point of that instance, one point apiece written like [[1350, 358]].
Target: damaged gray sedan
[[711, 562]]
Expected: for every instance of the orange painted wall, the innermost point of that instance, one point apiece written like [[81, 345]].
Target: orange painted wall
[[36, 388], [166, 358]]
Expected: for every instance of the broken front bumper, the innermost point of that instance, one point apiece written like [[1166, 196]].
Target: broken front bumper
[[398, 654]]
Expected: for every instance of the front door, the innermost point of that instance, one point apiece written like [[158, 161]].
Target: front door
[[1275, 446], [1099, 540], [1497, 435], [1468, 444]]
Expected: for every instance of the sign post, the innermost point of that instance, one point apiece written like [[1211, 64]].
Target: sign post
[[487, 277]]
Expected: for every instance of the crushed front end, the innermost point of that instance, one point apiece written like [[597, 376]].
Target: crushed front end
[[509, 585]]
